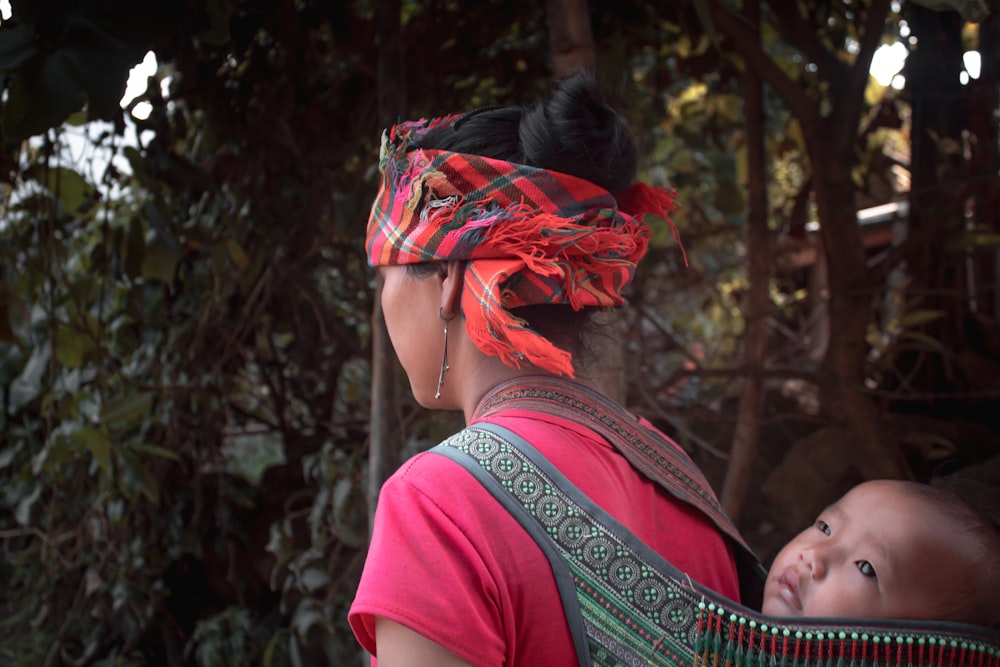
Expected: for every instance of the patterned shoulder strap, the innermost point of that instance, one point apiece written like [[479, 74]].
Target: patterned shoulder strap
[[647, 451], [626, 605]]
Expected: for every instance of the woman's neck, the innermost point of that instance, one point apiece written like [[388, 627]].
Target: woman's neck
[[485, 383], [490, 375]]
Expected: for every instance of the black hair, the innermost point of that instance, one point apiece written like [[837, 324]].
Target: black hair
[[576, 130], [977, 594]]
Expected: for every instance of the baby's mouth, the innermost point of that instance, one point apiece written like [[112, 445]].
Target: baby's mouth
[[788, 589]]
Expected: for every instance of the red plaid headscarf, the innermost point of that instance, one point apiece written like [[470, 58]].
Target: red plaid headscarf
[[529, 235]]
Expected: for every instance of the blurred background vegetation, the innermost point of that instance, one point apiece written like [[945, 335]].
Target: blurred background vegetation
[[186, 336]]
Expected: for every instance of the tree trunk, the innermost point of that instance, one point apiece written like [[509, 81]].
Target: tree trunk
[[384, 439], [937, 191], [986, 152], [571, 36], [843, 392], [830, 143], [744, 450], [573, 51]]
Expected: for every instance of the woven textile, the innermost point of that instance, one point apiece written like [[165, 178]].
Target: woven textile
[[628, 607], [645, 449], [530, 236]]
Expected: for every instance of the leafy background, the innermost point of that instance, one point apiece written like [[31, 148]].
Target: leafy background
[[186, 332]]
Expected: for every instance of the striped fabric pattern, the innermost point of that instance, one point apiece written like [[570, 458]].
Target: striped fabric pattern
[[530, 236]]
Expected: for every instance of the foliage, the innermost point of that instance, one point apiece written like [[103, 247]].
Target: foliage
[[184, 334], [176, 385], [185, 374]]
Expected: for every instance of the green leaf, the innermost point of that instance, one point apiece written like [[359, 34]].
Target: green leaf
[[72, 347], [22, 512], [156, 450], [77, 119], [28, 385], [729, 198], [139, 164], [148, 485], [219, 14], [137, 477], [971, 10], [133, 248], [268, 657], [729, 107], [343, 494], [160, 262], [40, 96], [126, 410], [281, 546], [84, 65], [7, 455], [17, 46], [236, 254], [981, 240], [684, 161], [70, 187], [102, 63], [925, 342], [8, 301], [705, 16], [67, 185], [305, 617], [915, 318], [249, 455], [98, 443], [312, 579], [294, 652]]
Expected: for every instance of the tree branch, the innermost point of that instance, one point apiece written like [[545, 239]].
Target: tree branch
[[803, 37], [852, 100], [736, 27]]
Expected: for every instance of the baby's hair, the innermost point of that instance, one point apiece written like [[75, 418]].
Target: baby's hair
[[977, 594]]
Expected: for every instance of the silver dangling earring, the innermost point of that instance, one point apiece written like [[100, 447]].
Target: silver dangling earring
[[444, 354]]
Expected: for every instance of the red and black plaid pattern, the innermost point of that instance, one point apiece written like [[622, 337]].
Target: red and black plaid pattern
[[530, 236]]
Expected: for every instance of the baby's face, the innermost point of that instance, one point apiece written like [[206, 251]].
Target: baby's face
[[880, 551]]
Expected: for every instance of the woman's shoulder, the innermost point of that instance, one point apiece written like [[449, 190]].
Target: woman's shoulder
[[441, 479], [430, 478], [427, 467]]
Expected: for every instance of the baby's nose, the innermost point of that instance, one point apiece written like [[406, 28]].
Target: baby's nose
[[814, 561]]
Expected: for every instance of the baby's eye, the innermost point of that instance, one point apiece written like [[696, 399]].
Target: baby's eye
[[866, 569], [823, 527]]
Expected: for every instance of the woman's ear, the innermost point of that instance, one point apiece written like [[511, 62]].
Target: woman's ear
[[451, 288]]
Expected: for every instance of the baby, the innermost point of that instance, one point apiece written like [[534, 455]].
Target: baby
[[891, 549]]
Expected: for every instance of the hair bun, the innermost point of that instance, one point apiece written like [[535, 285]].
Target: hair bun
[[577, 131]]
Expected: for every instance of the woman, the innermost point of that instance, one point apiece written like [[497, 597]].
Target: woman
[[498, 234]]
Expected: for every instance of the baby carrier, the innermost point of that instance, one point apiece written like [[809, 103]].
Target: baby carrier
[[625, 604]]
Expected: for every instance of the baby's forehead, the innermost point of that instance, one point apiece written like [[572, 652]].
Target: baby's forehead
[[899, 494], [904, 513]]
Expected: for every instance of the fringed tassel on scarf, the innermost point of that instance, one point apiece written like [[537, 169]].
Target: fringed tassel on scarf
[[495, 330], [642, 199], [583, 265]]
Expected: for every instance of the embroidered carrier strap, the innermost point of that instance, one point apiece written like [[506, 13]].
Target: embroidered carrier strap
[[646, 449], [628, 606], [622, 605]]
